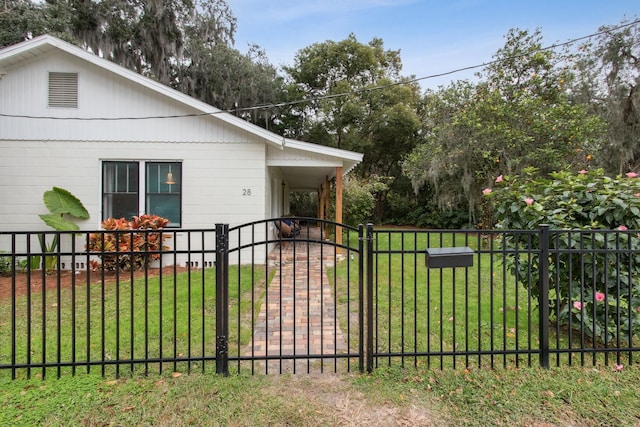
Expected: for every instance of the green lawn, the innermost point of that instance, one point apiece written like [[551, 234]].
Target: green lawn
[[442, 311], [159, 317], [595, 396], [457, 315]]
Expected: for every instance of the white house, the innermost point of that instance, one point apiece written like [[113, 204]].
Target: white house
[[126, 145]]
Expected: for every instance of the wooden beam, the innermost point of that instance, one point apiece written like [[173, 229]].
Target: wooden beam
[[327, 204], [321, 203], [339, 205]]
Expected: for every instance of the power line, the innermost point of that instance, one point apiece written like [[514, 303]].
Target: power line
[[332, 96]]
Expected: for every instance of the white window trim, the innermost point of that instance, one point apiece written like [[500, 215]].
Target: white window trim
[[142, 184]]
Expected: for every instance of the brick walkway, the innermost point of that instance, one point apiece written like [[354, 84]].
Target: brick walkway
[[298, 317]]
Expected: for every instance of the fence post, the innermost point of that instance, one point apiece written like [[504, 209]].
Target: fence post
[[543, 296], [361, 259], [369, 277], [222, 298]]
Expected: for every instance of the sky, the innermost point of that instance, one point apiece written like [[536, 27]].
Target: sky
[[433, 36]]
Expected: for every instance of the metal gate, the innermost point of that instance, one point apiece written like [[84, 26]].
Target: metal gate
[[290, 304]]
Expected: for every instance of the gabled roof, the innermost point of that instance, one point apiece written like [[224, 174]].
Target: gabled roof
[[12, 55], [307, 176]]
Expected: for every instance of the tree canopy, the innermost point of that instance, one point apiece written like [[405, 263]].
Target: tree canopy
[[357, 100], [518, 115], [607, 70], [186, 44], [435, 150]]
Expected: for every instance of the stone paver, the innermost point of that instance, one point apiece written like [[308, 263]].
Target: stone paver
[[298, 315]]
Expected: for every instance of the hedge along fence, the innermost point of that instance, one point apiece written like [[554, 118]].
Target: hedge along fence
[[587, 291]]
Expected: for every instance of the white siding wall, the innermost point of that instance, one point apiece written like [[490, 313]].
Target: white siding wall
[[224, 167], [217, 179], [101, 94]]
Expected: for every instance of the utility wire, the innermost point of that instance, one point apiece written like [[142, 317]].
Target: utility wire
[[332, 96]]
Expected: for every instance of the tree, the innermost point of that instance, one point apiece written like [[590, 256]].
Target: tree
[[220, 75], [148, 36], [186, 44], [519, 115], [356, 100], [332, 77], [20, 19], [608, 80]]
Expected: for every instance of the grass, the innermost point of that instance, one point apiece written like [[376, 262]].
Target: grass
[[528, 396], [171, 317], [453, 317], [443, 311], [418, 310], [391, 396]]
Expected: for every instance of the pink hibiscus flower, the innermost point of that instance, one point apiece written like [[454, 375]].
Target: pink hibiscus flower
[[486, 191], [528, 201], [577, 305], [599, 296], [499, 178]]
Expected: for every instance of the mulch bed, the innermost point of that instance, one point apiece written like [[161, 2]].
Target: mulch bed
[[65, 279]]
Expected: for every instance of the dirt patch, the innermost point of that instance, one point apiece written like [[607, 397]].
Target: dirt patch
[[333, 398], [36, 280]]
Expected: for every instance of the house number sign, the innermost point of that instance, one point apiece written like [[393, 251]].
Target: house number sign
[[246, 192]]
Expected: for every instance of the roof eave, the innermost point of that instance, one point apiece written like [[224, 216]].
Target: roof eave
[[206, 109]]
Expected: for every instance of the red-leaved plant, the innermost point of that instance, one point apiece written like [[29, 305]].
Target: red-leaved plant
[[131, 246]]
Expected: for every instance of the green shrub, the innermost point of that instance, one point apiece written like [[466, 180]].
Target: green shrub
[[304, 204], [359, 199], [128, 250], [359, 203], [5, 265], [585, 284]]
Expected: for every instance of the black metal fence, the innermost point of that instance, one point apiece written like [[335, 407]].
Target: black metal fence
[[584, 284], [241, 299]]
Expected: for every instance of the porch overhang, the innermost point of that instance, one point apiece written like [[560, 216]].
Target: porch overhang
[[307, 167]]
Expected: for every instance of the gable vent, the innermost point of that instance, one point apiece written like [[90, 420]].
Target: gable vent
[[63, 90]]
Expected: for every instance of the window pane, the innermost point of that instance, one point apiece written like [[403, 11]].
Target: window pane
[[164, 185], [163, 177], [120, 190], [120, 206], [166, 206]]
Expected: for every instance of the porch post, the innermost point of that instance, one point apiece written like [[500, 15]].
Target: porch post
[[327, 205], [321, 203], [339, 205]]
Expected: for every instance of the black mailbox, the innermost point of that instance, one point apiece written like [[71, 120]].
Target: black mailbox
[[449, 257]]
